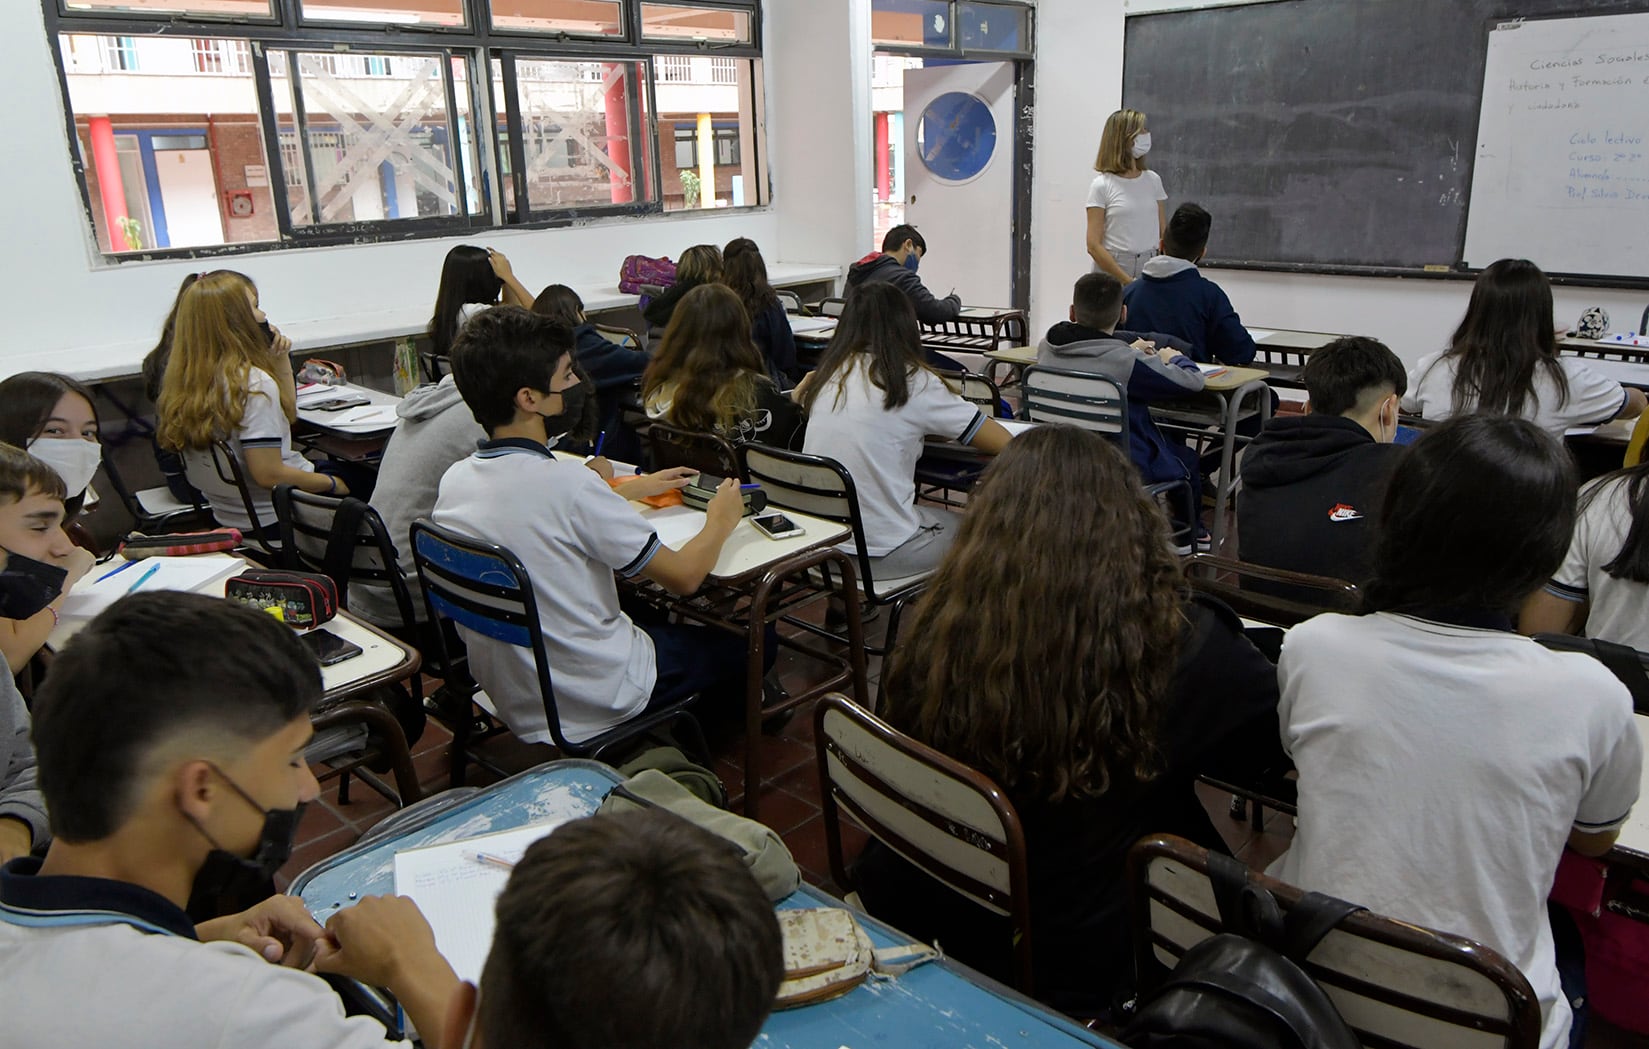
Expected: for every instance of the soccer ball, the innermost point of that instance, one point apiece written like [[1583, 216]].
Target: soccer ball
[[1594, 322]]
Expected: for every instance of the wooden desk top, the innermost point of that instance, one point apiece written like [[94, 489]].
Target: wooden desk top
[[1290, 339], [378, 417], [1233, 378]]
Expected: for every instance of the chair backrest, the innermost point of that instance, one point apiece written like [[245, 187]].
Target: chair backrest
[[946, 819], [629, 338], [1234, 583], [1630, 665], [231, 473], [1397, 985], [706, 452], [791, 301], [810, 484], [1635, 444], [832, 307], [483, 587], [342, 538], [975, 389], [1080, 399]]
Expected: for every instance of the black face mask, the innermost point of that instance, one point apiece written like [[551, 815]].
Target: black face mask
[[571, 414], [27, 586], [268, 332], [225, 876]]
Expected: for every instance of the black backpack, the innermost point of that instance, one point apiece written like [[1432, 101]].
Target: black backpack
[[1244, 989]]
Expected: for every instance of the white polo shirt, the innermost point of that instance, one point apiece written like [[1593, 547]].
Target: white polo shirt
[[879, 447], [87, 962], [262, 425], [571, 533], [1593, 398], [1441, 770], [1618, 609], [1133, 221]]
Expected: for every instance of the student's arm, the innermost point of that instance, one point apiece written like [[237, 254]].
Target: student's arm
[[22, 809], [608, 363], [929, 310], [20, 639], [1163, 375], [1228, 341], [682, 571], [514, 293], [991, 438], [385, 942], [1546, 612], [1096, 245], [265, 469], [1635, 404], [644, 485], [1616, 765], [1593, 845]]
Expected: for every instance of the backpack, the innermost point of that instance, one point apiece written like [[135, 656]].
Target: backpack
[[638, 271], [1244, 988]]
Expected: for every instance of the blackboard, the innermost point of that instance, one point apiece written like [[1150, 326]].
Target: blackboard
[[1324, 135]]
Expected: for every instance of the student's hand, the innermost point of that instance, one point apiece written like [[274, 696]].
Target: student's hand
[[657, 483], [602, 467], [280, 346], [280, 929], [15, 839], [1144, 345], [801, 387], [726, 506], [500, 264], [77, 563], [382, 941], [1168, 354]]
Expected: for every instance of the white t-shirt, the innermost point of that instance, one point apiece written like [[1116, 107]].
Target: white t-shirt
[[1441, 770], [110, 984], [1619, 608], [262, 425], [1592, 399], [1133, 222], [879, 448], [571, 532]]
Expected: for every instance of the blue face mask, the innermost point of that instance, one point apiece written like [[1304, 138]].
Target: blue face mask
[[913, 261]]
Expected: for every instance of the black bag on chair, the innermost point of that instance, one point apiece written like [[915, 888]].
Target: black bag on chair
[[1245, 989]]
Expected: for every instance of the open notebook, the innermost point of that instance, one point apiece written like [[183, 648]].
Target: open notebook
[[456, 891], [107, 583]]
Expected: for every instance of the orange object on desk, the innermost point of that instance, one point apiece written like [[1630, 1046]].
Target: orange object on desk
[[657, 502]]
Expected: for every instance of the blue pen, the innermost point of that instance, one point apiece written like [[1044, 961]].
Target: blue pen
[[748, 487], [600, 440], [144, 578], [117, 571]]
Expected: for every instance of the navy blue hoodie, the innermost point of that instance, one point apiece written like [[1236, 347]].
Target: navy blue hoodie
[[879, 267], [1171, 295]]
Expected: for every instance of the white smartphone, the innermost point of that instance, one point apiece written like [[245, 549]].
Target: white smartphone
[[776, 526]]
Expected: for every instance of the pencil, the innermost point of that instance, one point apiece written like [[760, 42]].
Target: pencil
[[492, 861]]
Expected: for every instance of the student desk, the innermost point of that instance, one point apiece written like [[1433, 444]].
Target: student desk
[[355, 435], [1224, 401], [940, 1005], [1282, 352], [755, 582]]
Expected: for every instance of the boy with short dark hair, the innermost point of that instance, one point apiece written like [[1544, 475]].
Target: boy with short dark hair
[[1173, 296], [896, 264], [1311, 483], [626, 929], [572, 531], [170, 735], [1149, 367]]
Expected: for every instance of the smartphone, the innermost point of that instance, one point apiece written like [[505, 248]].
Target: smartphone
[[328, 648], [776, 526], [338, 404]]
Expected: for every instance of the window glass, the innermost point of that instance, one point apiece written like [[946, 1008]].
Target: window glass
[[198, 8], [911, 23], [581, 132], [572, 17], [993, 27], [709, 123], [173, 152], [384, 12], [713, 24]]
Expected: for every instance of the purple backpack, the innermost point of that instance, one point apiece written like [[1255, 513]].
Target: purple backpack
[[638, 271]]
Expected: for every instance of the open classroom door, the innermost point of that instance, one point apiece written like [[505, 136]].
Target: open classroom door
[[959, 141]]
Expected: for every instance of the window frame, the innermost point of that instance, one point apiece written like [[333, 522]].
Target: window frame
[[955, 48], [477, 43]]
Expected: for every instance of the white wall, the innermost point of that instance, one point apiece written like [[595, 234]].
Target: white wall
[[59, 298], [1079, 83]]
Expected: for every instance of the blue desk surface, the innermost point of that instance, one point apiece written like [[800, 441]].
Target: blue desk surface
[[941, 1005]]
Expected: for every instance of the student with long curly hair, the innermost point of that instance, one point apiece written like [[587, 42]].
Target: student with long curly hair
[[1080, 676], [1503, 360], [707, 376], [230, 379]]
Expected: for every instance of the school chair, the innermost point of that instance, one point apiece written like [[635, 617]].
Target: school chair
[[155, 510], [1397, 985], [821, 487], [1100, 405], [629, 338], [484, 588], [255, 544], [832, 307], [1272, 596], [946, 819], [791, 301], [1635, 443], [1630, 665], [709, 453]]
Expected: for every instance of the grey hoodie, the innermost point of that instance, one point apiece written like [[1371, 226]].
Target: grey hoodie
[[19, 795], [435, 431]]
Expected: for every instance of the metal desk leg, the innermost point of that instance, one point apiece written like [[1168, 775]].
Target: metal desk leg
[[1233, 401]]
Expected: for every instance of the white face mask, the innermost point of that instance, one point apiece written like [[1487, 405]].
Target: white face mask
[[73, 459], [1142, 143]]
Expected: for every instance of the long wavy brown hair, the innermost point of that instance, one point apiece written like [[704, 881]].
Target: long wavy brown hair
[[216, 342], [1045, 644], [706, 366]]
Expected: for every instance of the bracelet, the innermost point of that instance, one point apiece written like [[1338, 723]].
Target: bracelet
[[331, 484], [53, 611]]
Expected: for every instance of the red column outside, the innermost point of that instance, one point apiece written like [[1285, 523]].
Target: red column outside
[[618, 136], [884, 184], [110, 187]]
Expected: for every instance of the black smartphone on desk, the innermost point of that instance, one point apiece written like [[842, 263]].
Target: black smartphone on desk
[[328, 648]]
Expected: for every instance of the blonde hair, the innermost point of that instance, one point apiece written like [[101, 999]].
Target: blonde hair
[[1116, 143], [700, 264], [215, 345]]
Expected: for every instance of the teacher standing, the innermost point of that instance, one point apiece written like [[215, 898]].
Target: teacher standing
[[1126, 213]]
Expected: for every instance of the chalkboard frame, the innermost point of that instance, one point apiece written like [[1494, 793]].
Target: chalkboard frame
[[1457, 270]]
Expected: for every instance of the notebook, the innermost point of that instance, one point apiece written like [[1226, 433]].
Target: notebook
[[107, 583]]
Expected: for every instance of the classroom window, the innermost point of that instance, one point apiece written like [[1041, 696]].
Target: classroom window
[[956, 26], [912, 23], [318, 134], [993, 27]]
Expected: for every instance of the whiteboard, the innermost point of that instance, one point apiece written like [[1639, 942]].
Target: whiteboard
[[1562, 167]]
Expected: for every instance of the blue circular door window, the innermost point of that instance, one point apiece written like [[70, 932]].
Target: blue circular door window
[[958, 136]]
